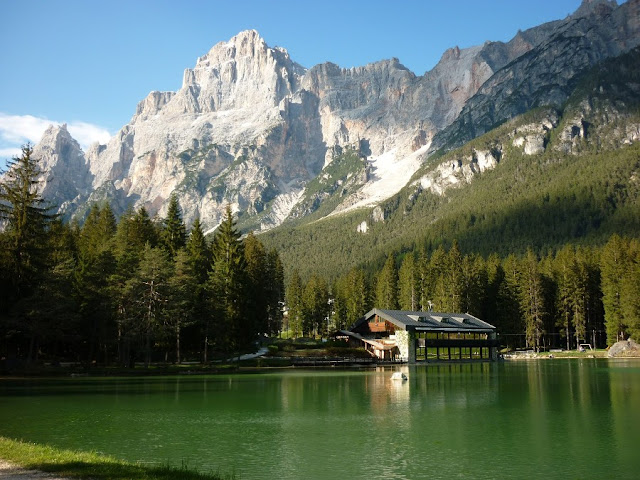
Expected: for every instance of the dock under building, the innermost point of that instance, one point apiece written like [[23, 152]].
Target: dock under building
[[415, 337]]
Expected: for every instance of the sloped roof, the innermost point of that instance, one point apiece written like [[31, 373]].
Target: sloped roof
[[425, 321]]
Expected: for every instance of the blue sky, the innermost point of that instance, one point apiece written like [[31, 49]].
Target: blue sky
[[88, 63]]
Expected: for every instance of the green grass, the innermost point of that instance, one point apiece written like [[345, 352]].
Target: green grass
[[76, 464], [597, 353]]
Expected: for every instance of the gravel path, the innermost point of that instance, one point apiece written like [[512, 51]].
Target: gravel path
[[9, 471]]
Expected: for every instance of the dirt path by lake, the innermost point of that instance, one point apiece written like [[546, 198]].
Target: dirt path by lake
[[9, 471]]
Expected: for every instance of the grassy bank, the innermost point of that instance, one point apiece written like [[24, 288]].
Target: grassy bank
[[529, 354], [75, 464]]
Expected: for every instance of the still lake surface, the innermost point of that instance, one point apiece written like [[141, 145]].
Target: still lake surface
[[528, 419]]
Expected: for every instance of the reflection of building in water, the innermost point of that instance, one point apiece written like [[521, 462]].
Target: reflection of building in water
[[389, 398], [424, 336]]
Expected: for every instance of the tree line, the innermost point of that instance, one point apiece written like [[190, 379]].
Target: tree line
[[133, 289], [574, 296], [138, 289]]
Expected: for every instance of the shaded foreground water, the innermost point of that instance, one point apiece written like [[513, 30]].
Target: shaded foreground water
[[541, 419]]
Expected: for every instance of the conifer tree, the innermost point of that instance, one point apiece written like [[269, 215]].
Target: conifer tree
[[435, 287], [149, 288], [351, 298], [631, 291], [227, 287], [27, 218], [275, 292], [589, 278], [495, 277], [182, 301], [358, 295], [387, 286], [315, 303], [257, 276], [143, 230], [564, 272], [408, 284], [25, 245], [174, 232], [532, 297], [453, 279], [339, 311], [200, 259], [508, 305], [422, 268], [294, 304], [473, 284], [96, 265], [199, 252], [614, 263]]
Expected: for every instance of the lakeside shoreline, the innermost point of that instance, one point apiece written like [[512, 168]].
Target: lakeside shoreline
[[276, 364], [20, 460]]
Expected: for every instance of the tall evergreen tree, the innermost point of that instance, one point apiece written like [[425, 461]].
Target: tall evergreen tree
[[436, 293], [564, 273], [294, 304], [474, 284], [201, 261], [589, 278], [25, 241], [257, 276], [174, 232], [357, 301], [408, 284], [150, 290], [275, 292], [631, 291], [315, 302], [387, 286], [453, 279], [199, 252], [27, 219], [96, 265], [182, 301], [532, 297], [227, 287], [614, 263], [495, 277]]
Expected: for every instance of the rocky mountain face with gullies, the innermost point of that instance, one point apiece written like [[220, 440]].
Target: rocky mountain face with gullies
[[252, 128]]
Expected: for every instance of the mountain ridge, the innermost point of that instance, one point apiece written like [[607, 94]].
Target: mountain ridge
[[252, 128]]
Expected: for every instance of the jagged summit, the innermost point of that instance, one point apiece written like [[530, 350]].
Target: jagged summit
[[598, 7], [67, 178]]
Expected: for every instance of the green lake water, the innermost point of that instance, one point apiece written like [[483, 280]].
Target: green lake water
[[512, 420]]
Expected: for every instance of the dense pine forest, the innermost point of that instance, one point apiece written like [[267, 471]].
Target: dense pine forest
[[137, 289], [134, 289], [574, 296]]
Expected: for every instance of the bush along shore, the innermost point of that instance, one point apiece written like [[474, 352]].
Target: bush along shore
[[78, 464]]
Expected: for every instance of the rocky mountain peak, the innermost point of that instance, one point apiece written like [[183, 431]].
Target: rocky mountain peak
[[248, 43], [67, 173], [241, 73], [594, 7]]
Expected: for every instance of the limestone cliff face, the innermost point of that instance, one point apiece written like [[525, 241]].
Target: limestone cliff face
[[232, 117], [252, 128]]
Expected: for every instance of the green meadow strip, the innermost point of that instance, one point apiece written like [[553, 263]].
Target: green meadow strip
[[78, 464]]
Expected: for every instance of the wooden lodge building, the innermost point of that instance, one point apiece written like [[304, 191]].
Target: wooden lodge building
[[424, 336]]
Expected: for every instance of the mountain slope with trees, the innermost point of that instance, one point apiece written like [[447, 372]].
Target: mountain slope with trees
[[559, 176]]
